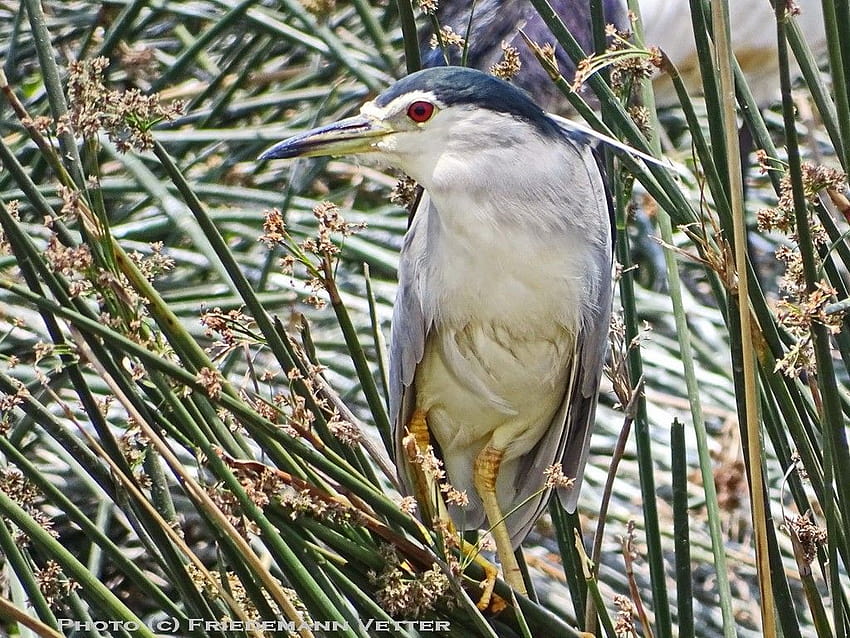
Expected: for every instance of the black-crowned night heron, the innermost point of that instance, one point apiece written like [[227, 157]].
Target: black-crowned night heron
[[501, 319]]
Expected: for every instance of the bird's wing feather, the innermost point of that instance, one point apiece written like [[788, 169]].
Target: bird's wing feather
[[590, 356], [409, 328]]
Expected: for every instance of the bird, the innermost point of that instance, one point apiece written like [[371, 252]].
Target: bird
[[498, 22], [668, 26], [500, 322]]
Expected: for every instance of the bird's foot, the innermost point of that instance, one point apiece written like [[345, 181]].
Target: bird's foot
[[485, 472], [418, 427], [487, 585]]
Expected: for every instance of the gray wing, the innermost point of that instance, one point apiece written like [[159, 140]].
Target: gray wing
[[592, 344], [409, 328]]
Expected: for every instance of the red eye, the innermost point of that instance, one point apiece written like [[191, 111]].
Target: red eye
[[420, 111]]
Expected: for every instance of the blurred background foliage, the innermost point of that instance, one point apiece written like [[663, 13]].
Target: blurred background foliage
[[192, 375]]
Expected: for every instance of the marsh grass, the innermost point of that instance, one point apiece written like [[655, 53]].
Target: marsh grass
[[193, 379]]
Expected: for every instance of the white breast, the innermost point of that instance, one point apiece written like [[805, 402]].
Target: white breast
[[475, 273]]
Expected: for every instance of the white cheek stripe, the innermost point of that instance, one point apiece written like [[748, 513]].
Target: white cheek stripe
[[370, 109]]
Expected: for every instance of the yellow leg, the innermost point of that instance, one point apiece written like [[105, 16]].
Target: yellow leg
[[485, 473], [416, 445], [427, 494], [418, 427]]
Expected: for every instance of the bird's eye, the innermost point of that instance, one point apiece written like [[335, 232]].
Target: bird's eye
[[420, 111]]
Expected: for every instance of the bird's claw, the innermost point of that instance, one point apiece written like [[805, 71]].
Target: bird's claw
[[487, 586]]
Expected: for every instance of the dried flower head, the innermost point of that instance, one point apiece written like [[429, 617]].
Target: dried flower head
[[801, 307], [624, 626], [20, 489], [809, 536], [319, 8], [548, 56], [640, 116], [454, 496], [407, 504], [427, 460], [10, 401], [210, 380], [53, 583], [555, 477], [344, 430], [633, 65], [68, 260], [126, 117], [404, 594], [231, 330], [71, 200], [134, 445], [429, 7], [508, 67], [303, 501], [404, 192], [229, 505], [274, 228], [446, 39], [782, 217], [317, 255], [153, 264], [331, 223]]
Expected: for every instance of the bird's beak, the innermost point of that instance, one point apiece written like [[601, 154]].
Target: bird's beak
[[358, 134]]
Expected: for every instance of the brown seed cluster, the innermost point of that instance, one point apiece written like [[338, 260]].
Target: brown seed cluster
[[210, 380], [344, 430], [125, 116], [228, 504], [53, 583], [403, 593], [447, 39], [629, 65], [13, 208], [319, 8], [404, 192], [331, 224], [261, 484], [624, 624], [509, 66], [22, 491], [631, 68], [809, 536], [429, 7], [230, 330], [318, 255], [10, 401], [432, 467], [303, 502], [555, 477], [801, 307], [154, 264]]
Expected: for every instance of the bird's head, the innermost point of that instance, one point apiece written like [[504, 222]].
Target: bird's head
[[450, 114]]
